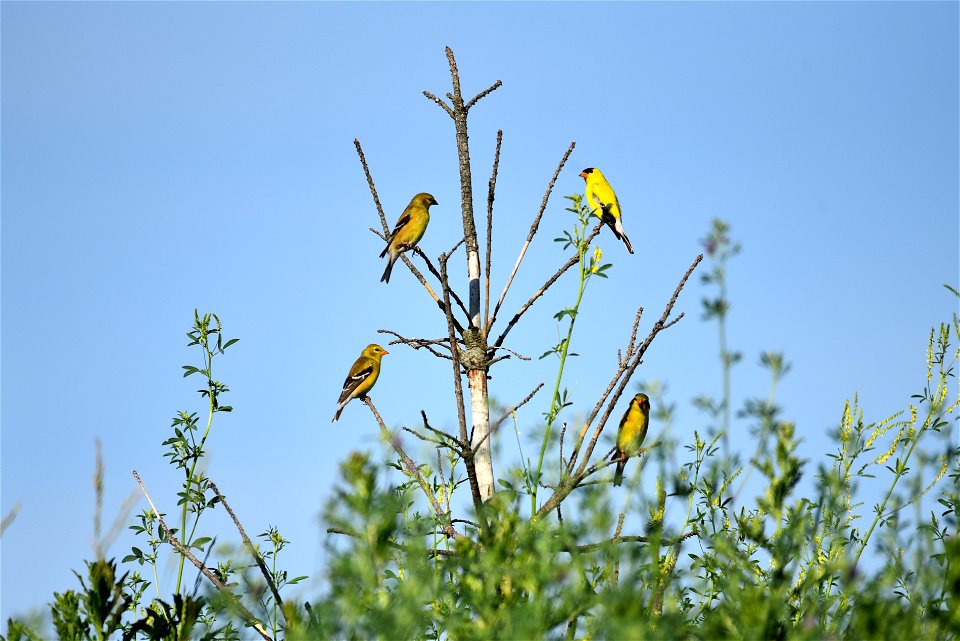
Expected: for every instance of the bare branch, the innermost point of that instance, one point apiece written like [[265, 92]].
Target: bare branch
[[507, 349], [445, 440], [414, 472], [250, 546], [441, 433], [495, 426], [483, 94], [467, 522], [533, 228], [427, 439], [373, 189], [589, 547], [442, 104], [573, 260], [244, 613], [569, 479], [10, 516], [430, 553], [563, 433], [417, 343], [633, 332], [456, 96], [433, 270], [506, 414], [491, 190], [635, 362]]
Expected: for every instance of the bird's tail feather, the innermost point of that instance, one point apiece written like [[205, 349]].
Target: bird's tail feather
[[385, 249], [386, 272], [336, 416], [621, 460], [618, 476], [622, 235]]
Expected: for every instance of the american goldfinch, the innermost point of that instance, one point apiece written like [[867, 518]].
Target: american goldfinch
[[408, 231], [633, 429], [603, 201], [362, 376]]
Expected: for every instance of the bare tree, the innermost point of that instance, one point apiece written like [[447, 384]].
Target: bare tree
[[469, 343]]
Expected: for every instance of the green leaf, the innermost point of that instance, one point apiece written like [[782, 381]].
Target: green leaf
[[200, 542]]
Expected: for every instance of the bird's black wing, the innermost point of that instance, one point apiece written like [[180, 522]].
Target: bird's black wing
[[353, 381]]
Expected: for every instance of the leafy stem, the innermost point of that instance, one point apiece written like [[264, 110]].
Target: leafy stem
[[204, 330], [586, 269]]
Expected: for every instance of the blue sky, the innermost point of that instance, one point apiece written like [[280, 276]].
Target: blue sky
[[158, 158]]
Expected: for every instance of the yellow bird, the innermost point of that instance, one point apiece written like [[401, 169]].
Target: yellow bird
[[362, 376], [633, 429], [408, 231], [604, 204]]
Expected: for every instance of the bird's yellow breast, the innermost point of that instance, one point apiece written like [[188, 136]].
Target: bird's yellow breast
[[633, 430]]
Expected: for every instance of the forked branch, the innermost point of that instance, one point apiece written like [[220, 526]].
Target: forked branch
[[569, 479]]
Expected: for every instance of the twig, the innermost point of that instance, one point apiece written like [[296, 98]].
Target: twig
[[589, 547], [506, 415], [9, 517], [563, 433], [466, 521], [250, 546], [417, 343], [513, 409], [483, 94], [433, 270], [491, 189], [573, 260], [441, 433], [414, 472], [507, 349], [373, 190], [616, 539], [431, 552], [633, 332], [246, 614], [443, 481], [533, 229], [441, 103]]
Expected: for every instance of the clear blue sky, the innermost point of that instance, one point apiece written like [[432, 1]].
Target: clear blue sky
[[162, 157]]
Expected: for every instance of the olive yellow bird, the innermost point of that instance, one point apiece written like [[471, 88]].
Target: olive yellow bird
[[633, 429], [362, 376], [408, 231], [603, 202]]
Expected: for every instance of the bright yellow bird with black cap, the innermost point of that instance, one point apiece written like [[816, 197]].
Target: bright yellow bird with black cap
[[633, 429], [604, 204], [363, 374], [408, 231]]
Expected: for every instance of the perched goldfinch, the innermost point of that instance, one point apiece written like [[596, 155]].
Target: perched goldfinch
[[633, 429], [603, 201], [408, 231], [362, 376]]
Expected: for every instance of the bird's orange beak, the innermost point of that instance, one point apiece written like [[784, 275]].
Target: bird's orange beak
[[384, 351], [583, 175]]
